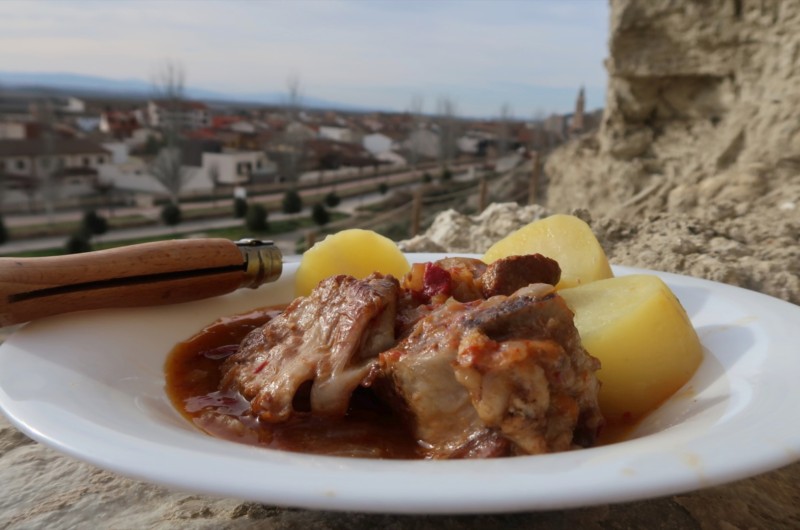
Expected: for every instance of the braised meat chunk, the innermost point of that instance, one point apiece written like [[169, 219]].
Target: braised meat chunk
[[506, 276], [506, 375], [465, 280], [330, 338], [477, 361]]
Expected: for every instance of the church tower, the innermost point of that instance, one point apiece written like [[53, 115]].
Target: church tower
[[577, 123]]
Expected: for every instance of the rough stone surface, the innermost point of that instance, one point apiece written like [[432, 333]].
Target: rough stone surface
[[740, 251], [703, 106], [454, 232]]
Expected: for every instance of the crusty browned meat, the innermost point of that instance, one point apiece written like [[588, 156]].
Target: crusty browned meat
[[487, 364], [429, 284], [506, 276], [464, 274], [506, 375], [466, 280], [332, 337], [433, 283]]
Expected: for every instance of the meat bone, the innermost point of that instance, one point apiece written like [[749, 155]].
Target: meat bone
[[150, 274]]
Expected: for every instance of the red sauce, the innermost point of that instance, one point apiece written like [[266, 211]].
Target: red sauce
[[369, 430]]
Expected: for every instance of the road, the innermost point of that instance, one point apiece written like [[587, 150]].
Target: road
[[19, 220], [286, 241]]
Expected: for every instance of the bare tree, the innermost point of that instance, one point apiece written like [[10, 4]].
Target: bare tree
[[539, 116], [167, 168], [294, 135], [503, 129], [31, 188], [105, 188], [213, 174], [447, 131], [417, 104], [293, 99], [168, 86], [45, 168]]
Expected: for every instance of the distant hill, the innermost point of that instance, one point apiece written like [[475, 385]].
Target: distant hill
[[77, 84]]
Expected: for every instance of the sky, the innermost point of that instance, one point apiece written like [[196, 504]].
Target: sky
[[532, 54]]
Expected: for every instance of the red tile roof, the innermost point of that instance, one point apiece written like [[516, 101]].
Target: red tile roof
[[219, 122]]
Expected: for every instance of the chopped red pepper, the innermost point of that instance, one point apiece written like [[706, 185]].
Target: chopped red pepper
[[435, 281]]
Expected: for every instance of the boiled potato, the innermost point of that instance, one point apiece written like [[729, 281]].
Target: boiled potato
[[644, 340], [357, 253], [564, 238]]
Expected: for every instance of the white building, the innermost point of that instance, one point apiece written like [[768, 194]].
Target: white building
[[119, 124], [36, 157], [424, 142], [468, 144], [300, 131], [391, 158], [243, 126], [140, 136], [87, 123], [12, 131], [338, 134], [134, 180], [236, 168], [70, 164], [507, 163], [186, 114], [377, 143], [119, 152], [74, 105]]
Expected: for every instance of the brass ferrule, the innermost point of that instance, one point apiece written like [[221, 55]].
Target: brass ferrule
[[263, 262]]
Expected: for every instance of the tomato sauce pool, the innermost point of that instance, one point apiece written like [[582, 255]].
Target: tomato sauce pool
[[369, 430]]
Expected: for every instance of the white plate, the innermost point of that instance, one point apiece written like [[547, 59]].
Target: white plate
[[91, 385]]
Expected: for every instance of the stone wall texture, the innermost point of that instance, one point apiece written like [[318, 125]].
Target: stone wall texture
[[702, 108]]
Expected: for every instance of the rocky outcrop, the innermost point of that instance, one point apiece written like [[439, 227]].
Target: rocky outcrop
[[702, 108], [454, 232]]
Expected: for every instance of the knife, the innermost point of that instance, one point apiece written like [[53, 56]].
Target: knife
[[150, 274]]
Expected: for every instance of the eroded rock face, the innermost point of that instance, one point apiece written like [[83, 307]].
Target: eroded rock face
[[454, 232], [703, 106], [739, 251]]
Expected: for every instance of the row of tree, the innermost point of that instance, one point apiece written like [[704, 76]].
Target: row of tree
[[255, 217]]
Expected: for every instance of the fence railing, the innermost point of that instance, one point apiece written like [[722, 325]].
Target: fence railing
[[414, 209]]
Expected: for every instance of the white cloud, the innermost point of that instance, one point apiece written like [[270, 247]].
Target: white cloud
[[357, 52]]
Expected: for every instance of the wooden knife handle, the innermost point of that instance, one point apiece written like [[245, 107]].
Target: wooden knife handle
[[165, 272]]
